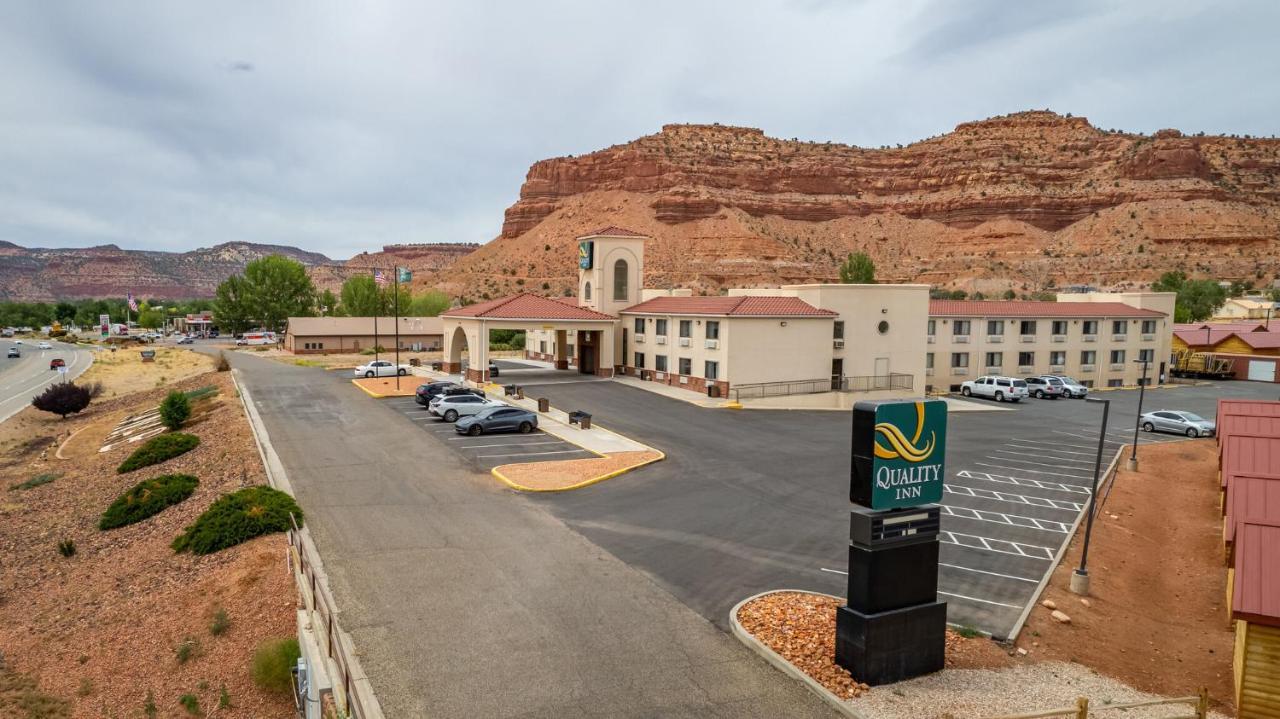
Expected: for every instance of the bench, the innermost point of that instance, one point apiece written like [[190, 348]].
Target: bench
[[580, 418]]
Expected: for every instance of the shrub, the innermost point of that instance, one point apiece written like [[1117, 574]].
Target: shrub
[[238, 517], [222, 364], [35, 481], [204, 391], [224, 699], [273, 663], [147, 498], [174, 410], [191, 703], [62, 398], [95, 389], [220, 624], [186, 650], [149, 705], [158, 449], [67, 547]]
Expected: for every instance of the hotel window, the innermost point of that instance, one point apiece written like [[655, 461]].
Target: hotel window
[[542, 346], [994, 359], [661, 329], [620, 281], [1059, 327], [686, 328], [1115, 383], [1026, 359], [1091, 327], [960, 327], [1027, 327], [713, 329], [995, 327], [640, 360], [568, 351], [586, 292], [933, 327], [686, 366], [712, 369], [1146, 355], [660, 363], [1058, 358], [928, 360], [959, 359], [1117, 356], [1148, 327], [837, 330], [639, 325], [1088, 356], [1119, 327]]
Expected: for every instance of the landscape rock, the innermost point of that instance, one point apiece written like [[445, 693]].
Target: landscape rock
[[1060, 617], [1049, 604]]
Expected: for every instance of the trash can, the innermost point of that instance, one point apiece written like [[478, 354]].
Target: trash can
[[415, 362], [436, 366], [519, 392], [544, 404], [585, 422], [509, 390], [713, 390]]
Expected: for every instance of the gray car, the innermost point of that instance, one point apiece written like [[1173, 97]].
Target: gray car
[[1166, 420], [1072, 388], [498, 419]]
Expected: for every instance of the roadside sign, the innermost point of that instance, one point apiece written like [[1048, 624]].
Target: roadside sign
[[104, 323], [403, 275], [62, 370], [899, 452]]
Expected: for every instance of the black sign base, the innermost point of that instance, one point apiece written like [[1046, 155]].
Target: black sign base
[[893, 577], [892, 646]]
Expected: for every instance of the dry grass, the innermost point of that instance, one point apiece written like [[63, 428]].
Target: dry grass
[[123, 372]]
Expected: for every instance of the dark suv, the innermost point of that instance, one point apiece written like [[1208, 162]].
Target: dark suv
[[431, 390]]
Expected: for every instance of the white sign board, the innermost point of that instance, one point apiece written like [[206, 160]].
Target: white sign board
[[62, 370]]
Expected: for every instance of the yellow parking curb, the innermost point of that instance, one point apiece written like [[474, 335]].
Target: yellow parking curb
[[585, 483], [369, 392]]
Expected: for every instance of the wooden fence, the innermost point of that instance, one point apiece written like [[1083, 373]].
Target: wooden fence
[[1199, 708]]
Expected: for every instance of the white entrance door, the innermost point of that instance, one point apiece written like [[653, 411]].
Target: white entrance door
[[1262, 371], [881, 380]]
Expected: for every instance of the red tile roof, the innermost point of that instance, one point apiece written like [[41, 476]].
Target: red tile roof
[[752, 306], [1255, 595], [1260, 340], [527, 306], [613, 231], [1032, 308], [1201, 338], [1234, 326]]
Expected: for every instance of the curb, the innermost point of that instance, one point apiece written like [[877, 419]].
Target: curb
[[585, 483], [371, 393], [782, 664]]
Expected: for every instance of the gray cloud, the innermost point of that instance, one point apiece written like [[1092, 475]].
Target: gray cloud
[[342, 127]]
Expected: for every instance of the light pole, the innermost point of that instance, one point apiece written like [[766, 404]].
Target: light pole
[[1132, 464], [1080, 577]]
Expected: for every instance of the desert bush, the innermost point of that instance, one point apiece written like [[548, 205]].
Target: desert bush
[[238, 517], [220, 624], [35, 481], [21, 694], [149, 708], [273, 662], [187, 650], [67, 547], [95, 389], [222, 365], [147, 498], [62, 398], [158, 449], [174, 410], [205, 391], [224, 699], [191, 703]]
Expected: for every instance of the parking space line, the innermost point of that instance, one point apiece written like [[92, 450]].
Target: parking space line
[[508, 444], [983, 571], [999, 546], [1023, 450], [984, 601], [1040, 464], [1032, 471], [1038, 483], [1013, 520], [1048, 449], [1012, 498], [532, 454]]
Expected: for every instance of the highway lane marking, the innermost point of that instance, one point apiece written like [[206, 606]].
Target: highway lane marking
[[994, 574], [984, 601], [1037, 483], [1012, 498]]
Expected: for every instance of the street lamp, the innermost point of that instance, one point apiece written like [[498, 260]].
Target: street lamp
[[1080, 577], [1132, 464]]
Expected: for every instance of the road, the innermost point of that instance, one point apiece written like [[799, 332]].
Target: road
[[23, 378], [466, 599], [755, 500]]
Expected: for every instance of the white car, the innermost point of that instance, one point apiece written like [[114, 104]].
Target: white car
[[995, 387], [44, 346], [381, 368], [451, 407], [17, 342], [1072, 388]]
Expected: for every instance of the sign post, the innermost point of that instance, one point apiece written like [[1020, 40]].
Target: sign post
[[894, 627]]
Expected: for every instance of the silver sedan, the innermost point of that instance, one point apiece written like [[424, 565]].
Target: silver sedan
[[1166, 420]]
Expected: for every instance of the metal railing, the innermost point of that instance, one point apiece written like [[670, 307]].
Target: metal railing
[[854, 383]]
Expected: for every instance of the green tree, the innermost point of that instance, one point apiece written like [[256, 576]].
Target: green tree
[[150, 319], [174, 410], [1197, 299], [428, 304], [64, 312], [232, 305], [1009, 294], [360, 297], [858, 269], [271, 290], [327, 303]]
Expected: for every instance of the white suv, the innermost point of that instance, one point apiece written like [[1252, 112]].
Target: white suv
[[995, 387], [451, 407]]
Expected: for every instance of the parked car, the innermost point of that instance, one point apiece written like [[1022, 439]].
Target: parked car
[[381, 368], [498, 419], [1072, 388], [185, 341], [57, 362], [17, 342], [995, 387], [1044, 386], [44, 346], [1165, 420], [427, 392], [451, 407], [15, 352]]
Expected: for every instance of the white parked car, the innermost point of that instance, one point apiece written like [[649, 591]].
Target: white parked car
[[381, 368], [996, 387], [1072, 388], [451, 407], [44, 346]]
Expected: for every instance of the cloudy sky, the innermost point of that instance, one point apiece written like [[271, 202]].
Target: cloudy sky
[[338, 127]]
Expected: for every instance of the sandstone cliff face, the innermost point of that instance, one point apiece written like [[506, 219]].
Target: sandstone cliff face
[[422, 259], [1029, 199]]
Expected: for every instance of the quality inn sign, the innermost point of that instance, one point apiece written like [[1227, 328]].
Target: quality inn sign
[[899, 449]]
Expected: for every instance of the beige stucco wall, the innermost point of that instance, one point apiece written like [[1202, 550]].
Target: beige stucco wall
[[1162, 302]]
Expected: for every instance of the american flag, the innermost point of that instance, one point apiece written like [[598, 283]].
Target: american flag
[[380, 278], [133, 304]]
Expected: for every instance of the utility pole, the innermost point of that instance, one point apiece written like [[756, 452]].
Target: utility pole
[[397, 305], [1132, 464], [1080, 577]]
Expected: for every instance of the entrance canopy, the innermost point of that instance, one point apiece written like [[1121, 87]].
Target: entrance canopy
[[469, 327]]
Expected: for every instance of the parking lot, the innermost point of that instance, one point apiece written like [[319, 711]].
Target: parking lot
[[754, 500], [487, 451]]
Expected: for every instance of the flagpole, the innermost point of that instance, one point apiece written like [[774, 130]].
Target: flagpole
[[377, 289], [397, 291]]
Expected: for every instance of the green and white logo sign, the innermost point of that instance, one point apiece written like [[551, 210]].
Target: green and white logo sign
[[586, 252], [908, 453]]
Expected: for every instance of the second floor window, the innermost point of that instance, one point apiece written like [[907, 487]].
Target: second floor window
[[994, 359], [959, 328], [1088, 356], [1117, 356], [959, 359]]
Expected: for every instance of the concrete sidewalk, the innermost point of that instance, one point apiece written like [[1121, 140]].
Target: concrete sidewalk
[[466, 599]]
